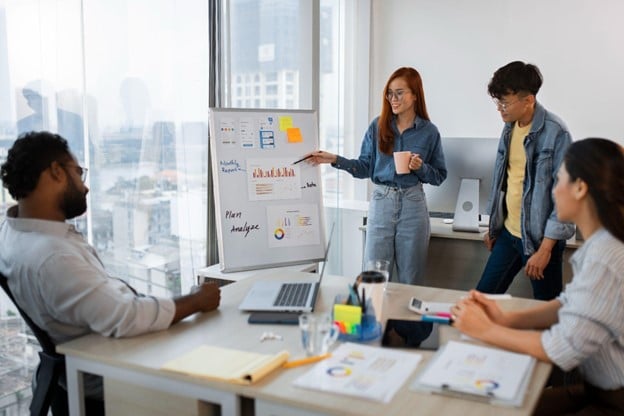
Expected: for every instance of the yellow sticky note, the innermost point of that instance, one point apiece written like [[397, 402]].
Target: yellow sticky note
[[348, 314], [294, 135], [285, 122]]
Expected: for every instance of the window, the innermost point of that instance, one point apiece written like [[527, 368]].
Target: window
[[140, 94], [150, 154], [144, 110], [263, 48]]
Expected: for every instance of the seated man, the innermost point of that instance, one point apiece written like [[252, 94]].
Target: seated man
[[53, 273]]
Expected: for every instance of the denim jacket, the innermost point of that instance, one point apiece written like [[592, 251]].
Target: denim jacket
[[545, 146], [422, 138]]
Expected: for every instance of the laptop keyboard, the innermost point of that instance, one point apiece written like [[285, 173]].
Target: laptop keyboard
[[293, 294]]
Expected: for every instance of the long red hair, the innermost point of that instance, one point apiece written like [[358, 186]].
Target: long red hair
[[414, 81]]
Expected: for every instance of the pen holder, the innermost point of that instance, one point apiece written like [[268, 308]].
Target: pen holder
[[355, 326]]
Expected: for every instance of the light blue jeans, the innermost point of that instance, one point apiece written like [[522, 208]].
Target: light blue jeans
[[398, 230]]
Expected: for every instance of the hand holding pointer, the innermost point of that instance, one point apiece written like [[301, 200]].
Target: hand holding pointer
[[318, 157]]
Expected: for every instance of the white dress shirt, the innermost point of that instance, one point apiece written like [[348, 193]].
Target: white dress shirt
[[58, 279], [590, 331]]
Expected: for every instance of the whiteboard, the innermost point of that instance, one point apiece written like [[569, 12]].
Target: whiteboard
[[268, 210]]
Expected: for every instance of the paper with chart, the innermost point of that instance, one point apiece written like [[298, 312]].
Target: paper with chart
[[489, 372], [293, 225], [360, 370], [270, 179]]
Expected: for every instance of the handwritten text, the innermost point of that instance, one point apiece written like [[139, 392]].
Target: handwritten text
[[247, 228], [230, 166]]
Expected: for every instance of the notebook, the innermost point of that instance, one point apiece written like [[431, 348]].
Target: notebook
[[234, 366], [285, 296]]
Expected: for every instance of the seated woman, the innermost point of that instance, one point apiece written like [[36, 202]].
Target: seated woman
[[584, 327]]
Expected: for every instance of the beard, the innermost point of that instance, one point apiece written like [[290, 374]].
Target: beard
[[74, 202]]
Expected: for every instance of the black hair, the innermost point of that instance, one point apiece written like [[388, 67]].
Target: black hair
[[600, 164], [31, 154], [513, 78]]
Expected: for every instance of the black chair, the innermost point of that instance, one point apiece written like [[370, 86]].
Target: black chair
[[48, 393]]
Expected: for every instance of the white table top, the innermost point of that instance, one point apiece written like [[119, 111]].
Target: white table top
[[228, 327]]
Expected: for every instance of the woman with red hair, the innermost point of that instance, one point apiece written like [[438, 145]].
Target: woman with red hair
[[398, 227]]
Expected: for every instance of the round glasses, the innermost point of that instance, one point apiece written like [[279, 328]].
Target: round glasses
[[82, 172], [398, 94], [503, 106]]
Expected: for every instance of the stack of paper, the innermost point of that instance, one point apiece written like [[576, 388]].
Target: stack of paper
[[360, 370], [476, 372], [226, 364]]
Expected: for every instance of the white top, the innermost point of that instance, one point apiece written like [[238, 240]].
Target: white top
[[58, 279], [590, 332]]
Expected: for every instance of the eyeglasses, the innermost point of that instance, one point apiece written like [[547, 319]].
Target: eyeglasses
[[82, 172], [503, 106], [398, 94]]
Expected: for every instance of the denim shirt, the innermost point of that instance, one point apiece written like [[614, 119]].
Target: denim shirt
[[545, 146], [422, 138]]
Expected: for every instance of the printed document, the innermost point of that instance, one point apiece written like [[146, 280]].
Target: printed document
[[492, 374], [360, 370]]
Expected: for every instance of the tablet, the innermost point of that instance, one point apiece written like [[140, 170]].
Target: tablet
[[411, 334]]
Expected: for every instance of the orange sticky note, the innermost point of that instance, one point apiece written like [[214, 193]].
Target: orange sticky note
[[294, 135]]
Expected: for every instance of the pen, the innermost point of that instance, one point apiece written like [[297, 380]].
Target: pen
[[302, 159], [438, 319], [304, 361], [444, 314], [494, 296], [363, 301], [355, 300]]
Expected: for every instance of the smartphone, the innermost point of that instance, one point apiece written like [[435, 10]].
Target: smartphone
[[411, 334], [285, 318], [425, 308]]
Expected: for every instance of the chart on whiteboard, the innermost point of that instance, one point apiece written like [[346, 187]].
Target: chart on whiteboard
[[270, 179]]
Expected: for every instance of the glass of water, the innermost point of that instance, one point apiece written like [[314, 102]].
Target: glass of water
[[318, 333]]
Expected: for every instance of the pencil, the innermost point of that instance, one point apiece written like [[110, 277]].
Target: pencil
[[304, 361], [302, 159], [501, 296]]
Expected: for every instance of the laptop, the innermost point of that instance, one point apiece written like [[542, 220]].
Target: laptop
[[285, 296]]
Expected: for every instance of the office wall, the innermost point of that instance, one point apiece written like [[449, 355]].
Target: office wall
[[457, 45]]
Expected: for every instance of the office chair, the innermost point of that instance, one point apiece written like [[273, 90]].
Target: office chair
[[47, 392]]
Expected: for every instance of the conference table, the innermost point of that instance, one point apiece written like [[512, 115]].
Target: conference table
[[138, 360]]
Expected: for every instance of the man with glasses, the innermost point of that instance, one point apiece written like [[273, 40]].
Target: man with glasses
[[55, 276], [524, 230]]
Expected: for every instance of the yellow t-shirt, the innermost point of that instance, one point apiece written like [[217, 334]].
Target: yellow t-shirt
[[515, 179]]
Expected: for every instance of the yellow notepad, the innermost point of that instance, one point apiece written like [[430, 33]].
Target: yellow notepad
[[226, 364]]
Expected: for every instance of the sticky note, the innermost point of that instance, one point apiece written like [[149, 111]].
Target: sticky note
[[285, 122], [348, 317], [294, 135]]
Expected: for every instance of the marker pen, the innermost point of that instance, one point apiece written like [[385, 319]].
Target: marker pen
[[438, 319]]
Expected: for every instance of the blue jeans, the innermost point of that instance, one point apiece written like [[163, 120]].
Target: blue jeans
[[507, 259], [398, 230]]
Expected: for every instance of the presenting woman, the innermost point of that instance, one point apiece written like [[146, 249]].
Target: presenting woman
[[398, 221], [584, 327]]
